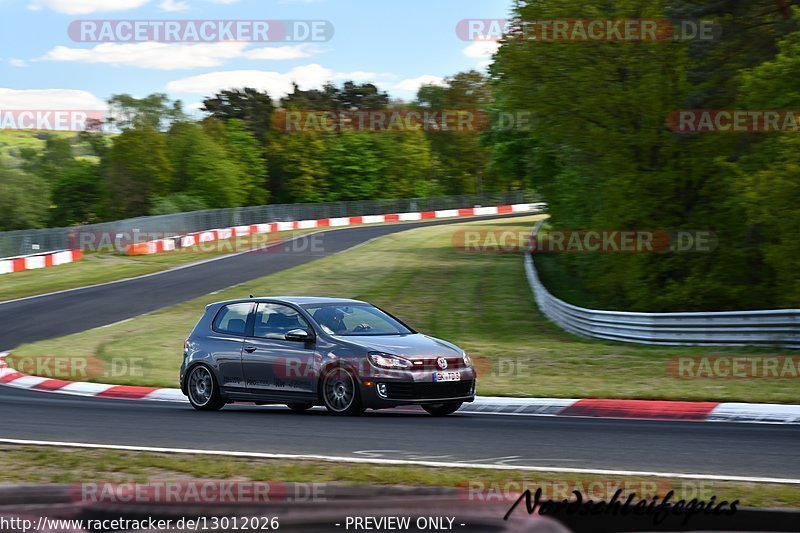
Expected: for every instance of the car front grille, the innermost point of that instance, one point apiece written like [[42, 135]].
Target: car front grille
[[430, 363], [424, 391]]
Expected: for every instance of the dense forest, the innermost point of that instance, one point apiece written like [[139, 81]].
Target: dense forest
[[159, 160], [600, 151], [603, 157]]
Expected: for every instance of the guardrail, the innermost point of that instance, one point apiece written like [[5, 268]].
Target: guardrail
[[203, 237], [775, 327], [121, 233]]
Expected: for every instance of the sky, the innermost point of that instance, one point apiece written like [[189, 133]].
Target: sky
[[396, 45]]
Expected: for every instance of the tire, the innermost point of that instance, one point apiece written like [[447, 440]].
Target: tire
[[299, 407], [442, 409], [340, 394], [202, 389]]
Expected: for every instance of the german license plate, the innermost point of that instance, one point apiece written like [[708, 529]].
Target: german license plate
[[446, 376]]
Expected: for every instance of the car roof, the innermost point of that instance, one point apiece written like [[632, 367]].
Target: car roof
[[297, 300]]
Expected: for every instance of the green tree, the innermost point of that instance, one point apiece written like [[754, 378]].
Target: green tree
[[325, 99], [600, 109], [244, 150], [154, 111], [407, 166], [254, 108], [299, 173], [462, 155], [769, 176], [48, 163], [177, 203], [361, 96], [202, 167], [139, 169], [24, 203], [79, 195], [353, 165]]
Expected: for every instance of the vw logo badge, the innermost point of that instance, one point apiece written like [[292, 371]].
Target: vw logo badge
[[442, 362]]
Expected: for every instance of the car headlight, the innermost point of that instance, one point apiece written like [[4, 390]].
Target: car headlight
[[385, 360], [467, 360]]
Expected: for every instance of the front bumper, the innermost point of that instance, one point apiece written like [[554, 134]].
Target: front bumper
[[416, 388]]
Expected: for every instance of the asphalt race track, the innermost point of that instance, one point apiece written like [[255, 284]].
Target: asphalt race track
[[727, 449], [59, 314], [760, 450]]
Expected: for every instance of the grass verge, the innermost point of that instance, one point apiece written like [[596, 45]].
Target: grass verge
[[480, 301], [44, 464], [104, 267]]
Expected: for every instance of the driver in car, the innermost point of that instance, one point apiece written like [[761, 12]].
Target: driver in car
[[332, 320]]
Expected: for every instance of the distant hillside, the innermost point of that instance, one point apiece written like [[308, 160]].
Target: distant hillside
[[13, 142]]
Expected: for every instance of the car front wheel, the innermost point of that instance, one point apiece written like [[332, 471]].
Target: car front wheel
[[202, 390], [340, 392], [442, 409]]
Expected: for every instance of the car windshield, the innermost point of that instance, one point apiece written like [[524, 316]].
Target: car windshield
[[355, 319]]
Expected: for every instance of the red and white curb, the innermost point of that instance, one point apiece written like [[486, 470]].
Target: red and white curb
[[21, 263], [12, 378], [496, 405], [212, 235]]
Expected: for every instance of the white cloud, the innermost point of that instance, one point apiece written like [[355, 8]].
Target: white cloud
[[164, 56], [49, 99], [277, 84], [481, 49], [83, 7], [171, 56], [282, 52], [413, 84], [18, 62], [356, 75], [172, 6]]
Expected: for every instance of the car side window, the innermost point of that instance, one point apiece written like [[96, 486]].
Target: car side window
[[274, 321], [232, 318]]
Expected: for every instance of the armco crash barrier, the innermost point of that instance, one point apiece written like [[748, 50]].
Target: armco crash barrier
[[767, 327], [43, 260], [200, 237]]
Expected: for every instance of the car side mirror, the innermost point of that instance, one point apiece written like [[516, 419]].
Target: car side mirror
[[298, 335]]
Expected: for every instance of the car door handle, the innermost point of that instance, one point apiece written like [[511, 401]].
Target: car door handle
[[249, 349]]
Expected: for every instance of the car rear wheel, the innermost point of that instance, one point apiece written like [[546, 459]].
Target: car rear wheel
[[299, 406], [442, 409], [202, 390], [340, 392]]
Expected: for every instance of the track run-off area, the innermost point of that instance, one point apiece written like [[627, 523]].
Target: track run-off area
[[754, 452]]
